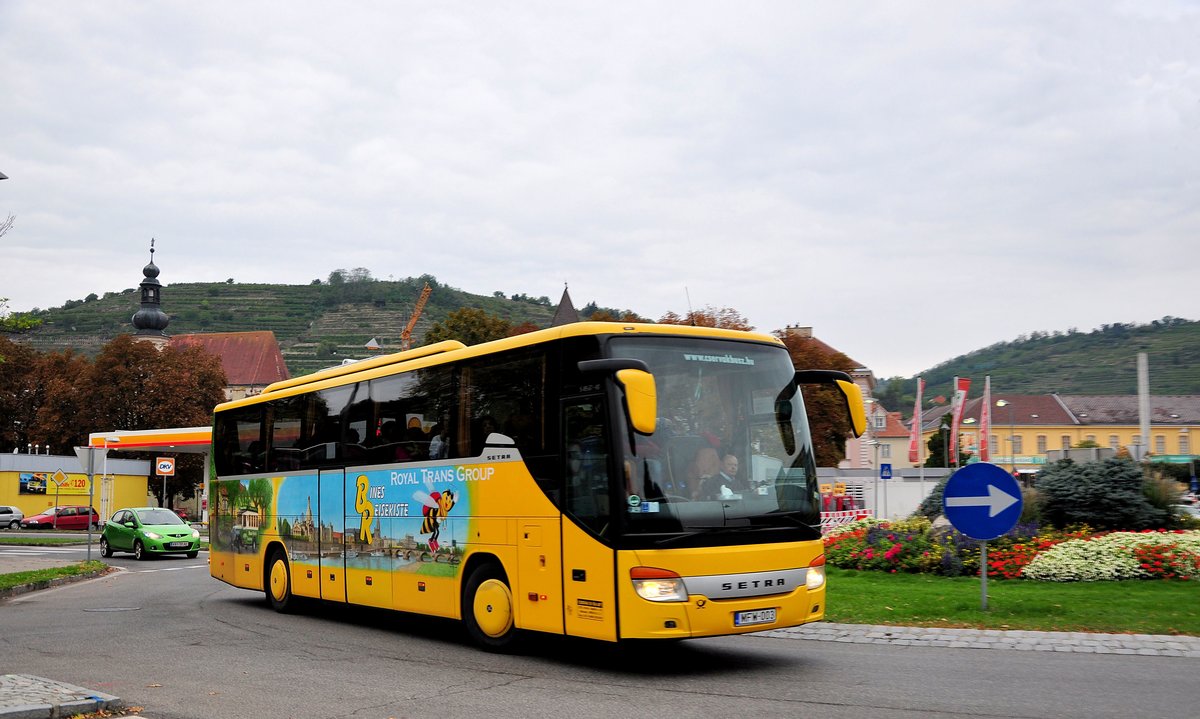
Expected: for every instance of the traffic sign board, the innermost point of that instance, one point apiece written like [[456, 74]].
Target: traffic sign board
[[885, 471], [982, 501]]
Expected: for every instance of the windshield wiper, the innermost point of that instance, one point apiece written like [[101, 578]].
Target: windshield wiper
[[701, 529], [731, 529], [790, 518]]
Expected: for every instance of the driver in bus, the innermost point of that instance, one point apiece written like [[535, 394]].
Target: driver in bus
[[705, 466]]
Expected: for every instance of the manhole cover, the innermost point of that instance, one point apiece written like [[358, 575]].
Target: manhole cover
[[114, 609]]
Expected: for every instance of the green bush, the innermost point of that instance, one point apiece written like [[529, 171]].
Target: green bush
[[931, 506], [1109, 494]]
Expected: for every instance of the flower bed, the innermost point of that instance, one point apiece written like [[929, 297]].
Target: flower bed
[[915, 546], [1121, 555]]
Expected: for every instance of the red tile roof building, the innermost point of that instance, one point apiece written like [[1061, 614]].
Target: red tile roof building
[[251, 360]]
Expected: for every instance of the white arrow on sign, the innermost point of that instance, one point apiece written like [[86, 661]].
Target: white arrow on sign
[[997, 500]]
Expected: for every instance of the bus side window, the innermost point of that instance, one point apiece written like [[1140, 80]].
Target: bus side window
[[586, 467]]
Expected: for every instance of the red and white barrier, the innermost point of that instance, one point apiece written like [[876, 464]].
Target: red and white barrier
[[829, 520]]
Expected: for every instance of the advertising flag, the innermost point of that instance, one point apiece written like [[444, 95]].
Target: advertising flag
[[961, 385], [914, 436], [985, 422]]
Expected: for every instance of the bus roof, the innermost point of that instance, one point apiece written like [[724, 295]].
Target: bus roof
[[451, 350]]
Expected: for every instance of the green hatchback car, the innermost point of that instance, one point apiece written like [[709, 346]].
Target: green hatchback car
[[148, 531]]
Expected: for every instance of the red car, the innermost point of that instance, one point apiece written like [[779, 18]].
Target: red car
[[63, 518]]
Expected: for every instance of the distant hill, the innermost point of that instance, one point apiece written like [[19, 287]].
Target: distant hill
[[1100, 362], [319, 324], [316, 325]]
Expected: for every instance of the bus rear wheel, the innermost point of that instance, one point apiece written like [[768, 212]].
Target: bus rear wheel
[[487, 608], [279, 583]]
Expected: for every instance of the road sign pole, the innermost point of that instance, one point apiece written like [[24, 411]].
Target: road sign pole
[[91, 467], [983, 572], [885, 473], [983, 502]]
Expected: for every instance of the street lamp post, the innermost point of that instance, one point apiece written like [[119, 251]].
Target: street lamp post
[[972, 421], [945, 432], [1012, 433], [875, 444]]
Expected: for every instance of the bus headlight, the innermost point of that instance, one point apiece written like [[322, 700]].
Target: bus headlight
[[658, 585], [814, 578]]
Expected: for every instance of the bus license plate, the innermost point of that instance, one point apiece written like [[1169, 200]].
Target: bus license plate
[[757, 616]]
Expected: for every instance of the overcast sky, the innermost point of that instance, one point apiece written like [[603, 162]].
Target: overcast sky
[[913, 180]]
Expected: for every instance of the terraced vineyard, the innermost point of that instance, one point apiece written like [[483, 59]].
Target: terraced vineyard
[[316, 325]]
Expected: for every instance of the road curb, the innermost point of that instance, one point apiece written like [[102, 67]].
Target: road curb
[[1162, 645]]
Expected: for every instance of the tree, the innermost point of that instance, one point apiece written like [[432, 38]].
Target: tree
[[709, 316], [16, 384], [470, 326], [1109, 494], [593, 312], [523, 328], [935, 446], [62, 380], [897, 393], [133, 385], [828, 420], [15, 322]]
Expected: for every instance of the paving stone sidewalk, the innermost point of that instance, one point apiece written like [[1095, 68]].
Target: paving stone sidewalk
[[24, 696], [1160, 645]]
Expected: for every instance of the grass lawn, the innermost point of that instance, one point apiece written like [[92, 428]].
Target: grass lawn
[[16, 579], [1136, 607], [29, 539]]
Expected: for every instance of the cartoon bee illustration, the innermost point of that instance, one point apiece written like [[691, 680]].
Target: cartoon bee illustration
[[434, 506]]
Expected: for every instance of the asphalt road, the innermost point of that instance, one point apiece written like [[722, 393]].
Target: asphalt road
[[166, 636]]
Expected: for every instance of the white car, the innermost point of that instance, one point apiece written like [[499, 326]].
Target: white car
[[1187, 510], [10, 516]]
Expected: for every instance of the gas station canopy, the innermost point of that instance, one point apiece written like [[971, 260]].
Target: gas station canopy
[[192, 440]]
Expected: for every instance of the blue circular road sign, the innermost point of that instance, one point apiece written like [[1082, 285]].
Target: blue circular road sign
[[982, 501]]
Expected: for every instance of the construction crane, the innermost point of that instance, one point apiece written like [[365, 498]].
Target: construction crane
[[406, 335]]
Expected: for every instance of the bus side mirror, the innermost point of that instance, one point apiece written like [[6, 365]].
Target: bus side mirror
[[850, 393], [641, 399]]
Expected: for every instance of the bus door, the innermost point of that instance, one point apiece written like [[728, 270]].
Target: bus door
[[589, 589], [331, 511]]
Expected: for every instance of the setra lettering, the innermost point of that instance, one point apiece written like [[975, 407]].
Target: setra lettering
[[754, 584]]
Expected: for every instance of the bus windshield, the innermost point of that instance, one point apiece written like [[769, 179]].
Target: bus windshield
[[731, 452]]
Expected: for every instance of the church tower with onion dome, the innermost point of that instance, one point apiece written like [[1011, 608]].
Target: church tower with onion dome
[[150, 321]]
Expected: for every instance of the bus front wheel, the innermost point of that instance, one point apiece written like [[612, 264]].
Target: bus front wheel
[[488, 608], [279, 584]]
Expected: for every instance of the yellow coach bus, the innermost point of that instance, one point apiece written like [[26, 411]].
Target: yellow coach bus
[[602, 480]]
